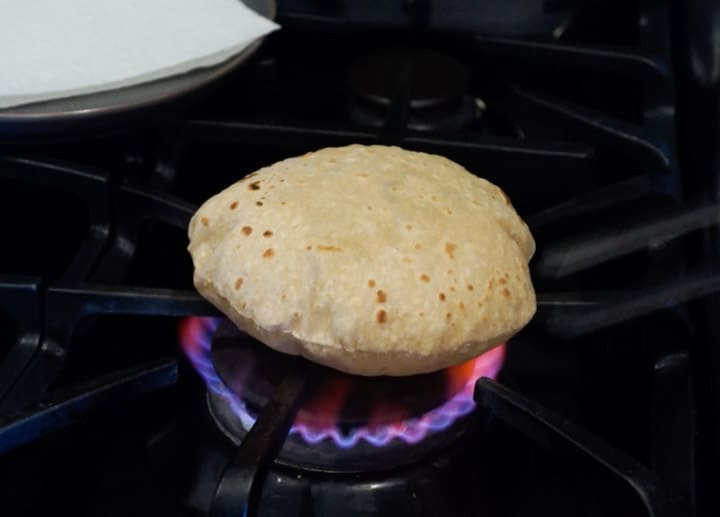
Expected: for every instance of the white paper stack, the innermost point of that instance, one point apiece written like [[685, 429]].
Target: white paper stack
[[51, 49]]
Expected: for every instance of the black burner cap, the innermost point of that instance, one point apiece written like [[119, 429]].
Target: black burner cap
[[424, 77]]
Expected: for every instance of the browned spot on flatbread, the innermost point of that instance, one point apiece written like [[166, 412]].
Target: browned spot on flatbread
[[448, 316], [381, 316], [424, 278], [409, 227], [371, 283], [269, 253], [308, 248], [205, 221], [238, 283], [418, 246], [259, 203], [407, 260], [247, 230], [320, 247], [470, 287], [504, 291], [504, 196], [461, 306], [450, 249], [233, 205], [502, 281], [255, 185], [267, 233], [442, 297], [381, 296]]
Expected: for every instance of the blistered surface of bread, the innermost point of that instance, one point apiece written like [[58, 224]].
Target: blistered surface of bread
[[369, 259]]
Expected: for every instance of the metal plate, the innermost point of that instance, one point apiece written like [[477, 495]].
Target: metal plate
[[114, 102]]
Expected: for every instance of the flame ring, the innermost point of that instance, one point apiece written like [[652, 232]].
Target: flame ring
[[196, 338]]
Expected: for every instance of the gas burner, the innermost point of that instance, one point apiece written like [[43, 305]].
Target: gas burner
[[417, 89], [343, 419]]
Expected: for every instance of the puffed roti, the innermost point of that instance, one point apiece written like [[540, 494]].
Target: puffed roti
[[372, 260]]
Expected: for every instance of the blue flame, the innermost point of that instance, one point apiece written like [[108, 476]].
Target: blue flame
[[196, 337]]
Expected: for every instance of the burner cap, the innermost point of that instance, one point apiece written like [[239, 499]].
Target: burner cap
[[425, 78], [418, 89]]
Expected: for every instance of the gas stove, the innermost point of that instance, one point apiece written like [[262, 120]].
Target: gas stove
[[124, 392]]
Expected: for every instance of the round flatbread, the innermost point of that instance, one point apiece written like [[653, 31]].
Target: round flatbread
[[372, 260]]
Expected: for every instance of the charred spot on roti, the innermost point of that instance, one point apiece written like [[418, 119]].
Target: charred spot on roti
[[233, 205], [255, 185], [268, 253], [381, 296], [238, 283], [450, 249], [504, 196], [205, 221], [442, 297], [425, 278], [247, 230], [371, 283], [267, 233], [381, 316], [321, 247]]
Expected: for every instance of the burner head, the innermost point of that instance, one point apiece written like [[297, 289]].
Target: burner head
[[426, 88], [343, 419]]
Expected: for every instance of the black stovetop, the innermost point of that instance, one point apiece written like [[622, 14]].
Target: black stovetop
[[605, 398]]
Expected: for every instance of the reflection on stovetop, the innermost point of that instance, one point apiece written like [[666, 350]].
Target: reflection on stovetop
[[591, 413]]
